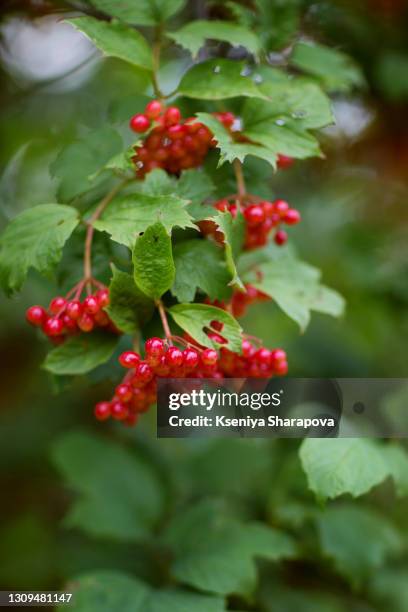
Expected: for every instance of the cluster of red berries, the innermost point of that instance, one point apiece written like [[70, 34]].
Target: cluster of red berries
[[253, 363], [261, 218], [68, 317], [137, 391], [240, 300], [173, 144]]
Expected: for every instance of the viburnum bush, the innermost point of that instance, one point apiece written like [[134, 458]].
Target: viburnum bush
[[178, 239]]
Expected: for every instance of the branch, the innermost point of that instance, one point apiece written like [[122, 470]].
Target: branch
[[164, 320], [90, 229]]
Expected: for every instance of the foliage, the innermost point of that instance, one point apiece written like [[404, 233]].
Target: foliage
[[268, 508]]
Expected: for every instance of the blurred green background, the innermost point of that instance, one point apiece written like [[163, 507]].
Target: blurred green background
[[53, 86]]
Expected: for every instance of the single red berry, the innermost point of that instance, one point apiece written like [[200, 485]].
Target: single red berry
[[144, 372], [74, 309], [70, 326], [263, 356], [154, 347], [103, 297], [281, 368], [176, 131], [91, 304], [129, 359], [119, 411], [102, 411], [172, 115], [101, 319], [227, 119], [248, 350], [174, 356], [209, 357], [254, 215], [162, 368], [53, 327], [57, 304], [86, 322], [139, 123], [278, 355], [124, 392], [291, 217], [268, 208], [281, 237], [153, 109], [131, 419], [284, 161], [36, 315], [281, 207], [191, 358]]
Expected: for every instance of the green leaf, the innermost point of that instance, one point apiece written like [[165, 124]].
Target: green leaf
[[129, 215], [34, 239], [358, 540], [142, 12], [79, 161], [81, 354], [200, 265], [120, 494], [129, 308], [115, 39], [290, 98], [194, 318], [234, 233], [218, 79], [215, 553], [296, 289], [154, 269], [229, 149], [112, 591], [194, 186], [397, 460], [193, 35], [342, 465], [335, 70]]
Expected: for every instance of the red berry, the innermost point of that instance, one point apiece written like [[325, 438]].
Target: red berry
[[102, 411], [124, 392], [57, 304], [174, 356], [119, 411], [153, 109], [154, 347], [86, 322], [281, 207], [53, 327], [254, 215], [36, 315], [129, 359], [69, 325], [281, 237], [162, 368], [172, 115], [103, 297], [284, 161], [278, 355], [248, 350], [176, 131], [191, 358], [91, 304], [209, 357], [139, 123], [144, 372], [263, 356], [291, 217], [74, 309], [268, 208], [281, 368], [101, 319]]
